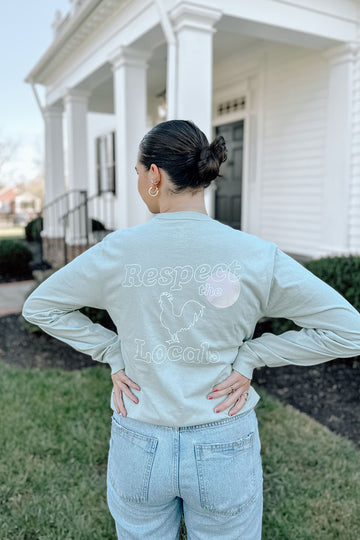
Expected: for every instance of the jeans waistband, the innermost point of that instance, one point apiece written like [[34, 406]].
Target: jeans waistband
[[239, 417], [210, 425]]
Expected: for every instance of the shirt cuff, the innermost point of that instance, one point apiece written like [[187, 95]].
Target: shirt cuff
[[246, 362], [114, 358]]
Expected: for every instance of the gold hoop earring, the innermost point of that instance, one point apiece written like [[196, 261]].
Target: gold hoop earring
[[155, 193]]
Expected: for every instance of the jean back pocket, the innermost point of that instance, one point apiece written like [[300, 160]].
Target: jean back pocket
[[227, 475], [131, 458]]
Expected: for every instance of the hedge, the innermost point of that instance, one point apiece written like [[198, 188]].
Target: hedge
[[341, 273], [14, 259]]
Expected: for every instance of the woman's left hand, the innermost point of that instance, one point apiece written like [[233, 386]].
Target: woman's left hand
[[122, 384], [236, 387]]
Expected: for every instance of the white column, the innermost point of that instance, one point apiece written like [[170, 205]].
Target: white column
[[194, 29], [338, 150], [130, 97], [193, 26], [76, 106], [54, 168], [354, 212]]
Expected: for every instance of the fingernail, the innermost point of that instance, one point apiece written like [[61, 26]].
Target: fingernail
[[214, 390], [231, 414], [216, 410], [210, 397]]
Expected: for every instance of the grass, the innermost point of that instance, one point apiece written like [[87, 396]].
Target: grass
[[54, 441], [311, 477], [55, 429]]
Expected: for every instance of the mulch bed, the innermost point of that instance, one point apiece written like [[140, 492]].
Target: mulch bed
[[16, 279], [328, 392], [36, 350]]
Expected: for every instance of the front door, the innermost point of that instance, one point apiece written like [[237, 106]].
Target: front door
[[229, 187]]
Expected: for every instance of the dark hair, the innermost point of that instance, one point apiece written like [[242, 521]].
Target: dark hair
[[183, 151]]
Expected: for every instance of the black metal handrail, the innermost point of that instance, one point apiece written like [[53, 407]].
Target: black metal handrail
[[67, 216], [60, 197]]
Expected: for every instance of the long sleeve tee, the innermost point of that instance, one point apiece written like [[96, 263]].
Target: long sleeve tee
[[185, 293]]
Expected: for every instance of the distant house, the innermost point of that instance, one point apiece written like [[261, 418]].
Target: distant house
[[280, 79], [7, 201], [18, 205]]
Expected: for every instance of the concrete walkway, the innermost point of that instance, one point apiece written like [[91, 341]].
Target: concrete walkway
[[12, 296]]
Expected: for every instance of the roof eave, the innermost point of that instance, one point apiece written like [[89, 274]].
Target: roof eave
[[84, 11]]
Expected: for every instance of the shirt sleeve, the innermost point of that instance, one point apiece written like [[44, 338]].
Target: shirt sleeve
[[54, 307], [330, 325]]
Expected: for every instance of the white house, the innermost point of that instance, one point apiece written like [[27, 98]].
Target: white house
[[280, 79]]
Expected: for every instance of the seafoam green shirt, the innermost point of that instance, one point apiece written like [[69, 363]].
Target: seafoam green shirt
[[185, 293]]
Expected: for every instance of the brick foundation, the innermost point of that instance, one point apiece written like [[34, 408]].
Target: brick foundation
[[75, 250], [54, 251]]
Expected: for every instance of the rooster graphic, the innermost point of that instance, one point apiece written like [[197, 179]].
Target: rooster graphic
[[188, 316]]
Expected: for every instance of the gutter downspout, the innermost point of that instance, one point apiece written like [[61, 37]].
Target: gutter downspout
[[37, 98], [171, 76]]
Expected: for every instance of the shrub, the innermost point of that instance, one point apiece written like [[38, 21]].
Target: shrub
[[33, 229], [99, 316], [341, 273], [14, 259], [97, 225]]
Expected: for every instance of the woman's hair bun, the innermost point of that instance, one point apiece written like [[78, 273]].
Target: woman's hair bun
[[218, 148], [211, 157]]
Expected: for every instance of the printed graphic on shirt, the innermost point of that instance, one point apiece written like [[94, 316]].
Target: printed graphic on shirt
[[221, 289], [180, 320], [177, 318], [219, 284], [175, 353], [175, 278]]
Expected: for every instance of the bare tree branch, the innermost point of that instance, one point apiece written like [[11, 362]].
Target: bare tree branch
[[8, 151]]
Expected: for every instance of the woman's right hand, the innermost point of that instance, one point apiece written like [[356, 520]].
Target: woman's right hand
[[236, 387], [122, 384]]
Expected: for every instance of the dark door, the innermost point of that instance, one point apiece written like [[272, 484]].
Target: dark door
[[229, 187]]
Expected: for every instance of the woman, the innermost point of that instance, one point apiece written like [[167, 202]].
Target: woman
[[185, 293]]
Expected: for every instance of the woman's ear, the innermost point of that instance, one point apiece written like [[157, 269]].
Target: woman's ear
[[155, 173]]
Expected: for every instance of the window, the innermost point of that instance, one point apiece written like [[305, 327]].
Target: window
[[105, 163]]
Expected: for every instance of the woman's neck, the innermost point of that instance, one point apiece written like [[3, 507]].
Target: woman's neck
[[183, 202]]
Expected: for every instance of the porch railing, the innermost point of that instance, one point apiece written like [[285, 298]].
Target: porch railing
[[78, 220]]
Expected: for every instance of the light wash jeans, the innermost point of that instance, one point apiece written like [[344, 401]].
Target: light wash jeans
[[211, 472]]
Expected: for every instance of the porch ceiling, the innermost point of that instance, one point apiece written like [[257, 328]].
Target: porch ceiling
[[226, 43], [257, 30], [99, 84]]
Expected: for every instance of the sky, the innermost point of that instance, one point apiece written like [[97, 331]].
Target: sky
[[25, 34]]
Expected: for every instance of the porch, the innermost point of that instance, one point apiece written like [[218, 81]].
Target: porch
[[289, 74]]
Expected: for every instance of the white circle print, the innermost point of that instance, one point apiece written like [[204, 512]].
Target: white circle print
[[222, 289]]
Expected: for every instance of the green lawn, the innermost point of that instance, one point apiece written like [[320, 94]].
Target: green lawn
[[55, 429]]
